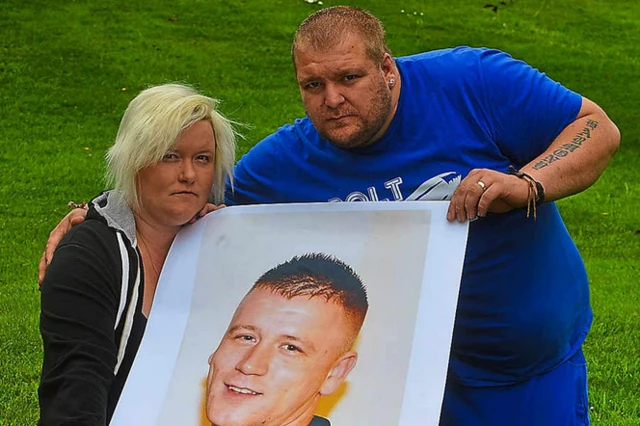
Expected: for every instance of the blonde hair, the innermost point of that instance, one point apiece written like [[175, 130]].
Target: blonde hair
[[152, 125]]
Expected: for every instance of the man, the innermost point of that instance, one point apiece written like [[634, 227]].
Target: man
[[449, 124], [289, 342], [502, 142]]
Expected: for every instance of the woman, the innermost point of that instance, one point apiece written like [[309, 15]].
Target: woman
[[172, 154]]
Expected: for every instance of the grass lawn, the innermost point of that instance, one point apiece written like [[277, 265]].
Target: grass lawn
[[69, 68]]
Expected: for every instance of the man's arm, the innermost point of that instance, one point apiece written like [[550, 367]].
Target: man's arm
[[75, 217], [571, 163], [578, 156], [72, 218]]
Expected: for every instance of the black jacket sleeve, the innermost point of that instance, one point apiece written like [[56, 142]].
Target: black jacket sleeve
[[79, 304]]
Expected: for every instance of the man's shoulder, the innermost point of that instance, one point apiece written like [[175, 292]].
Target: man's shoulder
[[450, 53], [270, 170], [287, 141], [451, 59], [461, 68], [439, 55], [287, 135]]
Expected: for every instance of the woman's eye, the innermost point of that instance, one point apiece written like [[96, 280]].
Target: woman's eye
[[170, 156], [204, 158]]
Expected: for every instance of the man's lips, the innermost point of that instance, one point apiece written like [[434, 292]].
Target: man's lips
[[340, 117], [242, 390]]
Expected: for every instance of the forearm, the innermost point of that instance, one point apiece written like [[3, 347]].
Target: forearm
[[578, 156]]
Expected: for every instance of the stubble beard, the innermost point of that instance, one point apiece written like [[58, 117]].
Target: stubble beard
[[381, 106]]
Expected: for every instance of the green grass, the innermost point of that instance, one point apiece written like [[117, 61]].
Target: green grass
[[69, 68]]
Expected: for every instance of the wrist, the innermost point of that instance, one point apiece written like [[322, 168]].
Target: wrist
[[535, 190]]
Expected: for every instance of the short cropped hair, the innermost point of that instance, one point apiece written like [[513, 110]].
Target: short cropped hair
[[319, 275], [153, 123], [328, 27]]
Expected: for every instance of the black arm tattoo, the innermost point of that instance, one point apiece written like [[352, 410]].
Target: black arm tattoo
[[565, 149]]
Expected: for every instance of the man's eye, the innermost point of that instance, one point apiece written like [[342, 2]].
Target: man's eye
[[350, 77], [245, 338], [292, 348], [312, 85]]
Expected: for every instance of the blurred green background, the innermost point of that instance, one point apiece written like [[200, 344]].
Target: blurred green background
[[69, 68]]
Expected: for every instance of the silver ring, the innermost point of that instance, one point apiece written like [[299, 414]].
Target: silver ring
[[482, 185]]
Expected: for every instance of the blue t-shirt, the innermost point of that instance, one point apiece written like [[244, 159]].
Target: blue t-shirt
[[524, 297]]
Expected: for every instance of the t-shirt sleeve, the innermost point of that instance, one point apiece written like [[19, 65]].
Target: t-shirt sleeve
[[79, 304], [253, 176], [229, 191], [528, 110], [244, 190]]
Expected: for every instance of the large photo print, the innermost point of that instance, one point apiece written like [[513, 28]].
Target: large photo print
[[303, 315]]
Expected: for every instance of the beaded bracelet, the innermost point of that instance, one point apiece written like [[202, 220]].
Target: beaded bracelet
[[73, 205]]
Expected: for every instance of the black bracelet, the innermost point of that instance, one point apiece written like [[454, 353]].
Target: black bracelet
[[539, 188]]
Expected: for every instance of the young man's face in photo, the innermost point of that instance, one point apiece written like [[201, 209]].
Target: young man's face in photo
[[273, 362]]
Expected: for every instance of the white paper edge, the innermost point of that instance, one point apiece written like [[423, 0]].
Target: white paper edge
[[416, 403], [133, 408]]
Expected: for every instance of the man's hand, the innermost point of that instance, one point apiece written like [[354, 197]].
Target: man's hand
[[208, 208], [73, 218], [485, 190]]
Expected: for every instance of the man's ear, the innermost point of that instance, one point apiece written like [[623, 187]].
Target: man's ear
[[339, 373], [388, 66]]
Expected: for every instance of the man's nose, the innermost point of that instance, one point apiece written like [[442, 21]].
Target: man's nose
[[333, 96], [255, 361]]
